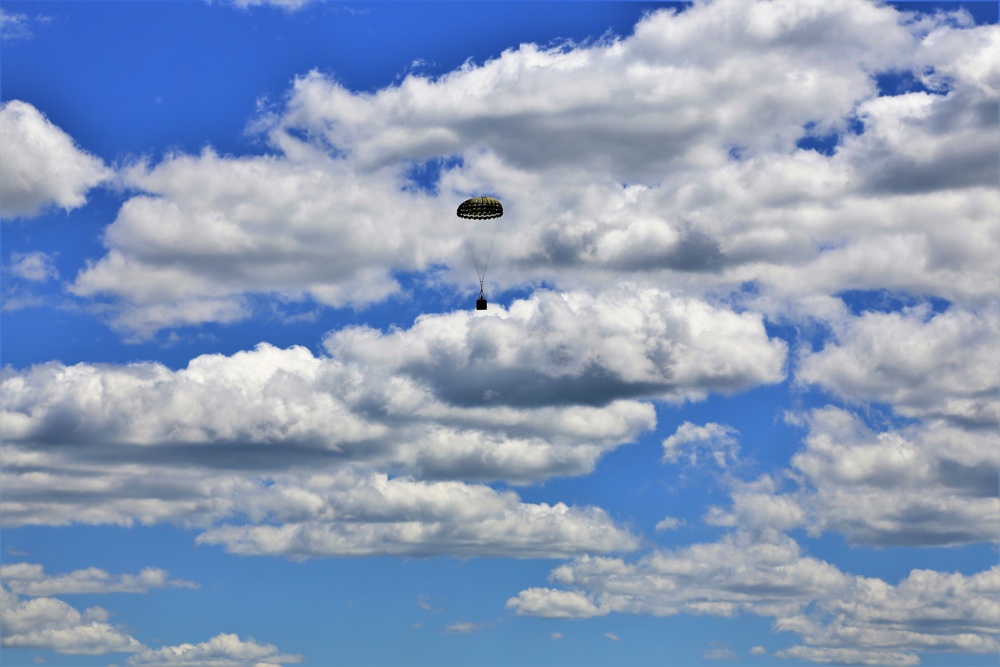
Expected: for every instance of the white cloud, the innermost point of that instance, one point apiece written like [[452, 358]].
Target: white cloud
[[48, 623], [626, 105], [928, 484], [612, 636], [424, 603], [300, 516], [669, 523], [836, 614], [849, 656], [557, 132], [719, 652], [758, 650], [573, 347], [554, 603], [463, 628], [224, 650], [928, 610], [297, 409], [715, 440], [967, 56], [542, 389], [347, 516], [289, 5], [925, 365], [30, 579], [632, 111], [158, 445], [51, 624], [33, 266], [699, 579], [14, 26], [211, 228], [759, 509], [40, 164], [29, 270]]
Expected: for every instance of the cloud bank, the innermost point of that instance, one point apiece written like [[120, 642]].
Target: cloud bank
[[675, 195], [653, 156], [838, 616]]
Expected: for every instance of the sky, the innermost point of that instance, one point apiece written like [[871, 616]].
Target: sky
[[735, 398]]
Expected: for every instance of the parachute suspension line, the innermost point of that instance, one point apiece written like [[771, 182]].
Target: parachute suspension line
[[479, 250], [489, 251]]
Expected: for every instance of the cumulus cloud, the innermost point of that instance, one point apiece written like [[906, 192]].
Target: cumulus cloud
[[625, 105], [544, 388], [587, 119], [377, 515], [927, 610], [209, 229], [715, 440], [224, 650], [554, 603], [933, 482], [837, 615], [40, 164], [722, 578], [573, 347], [609, 165], [759, 508], [51, 624], [928, 366], [30, 579], [297, 408], [669, 523], [189, 446], [48, 623], [299, 516], [928, 484]]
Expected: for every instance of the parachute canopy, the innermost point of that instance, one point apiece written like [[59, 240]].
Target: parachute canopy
[[480, 208]]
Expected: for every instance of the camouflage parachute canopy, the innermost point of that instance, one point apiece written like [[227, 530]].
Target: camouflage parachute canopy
[[480, 208]]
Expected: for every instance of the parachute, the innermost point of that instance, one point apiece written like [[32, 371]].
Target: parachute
[[479, 216]]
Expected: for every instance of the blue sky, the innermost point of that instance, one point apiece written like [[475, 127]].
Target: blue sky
[[734, 400]]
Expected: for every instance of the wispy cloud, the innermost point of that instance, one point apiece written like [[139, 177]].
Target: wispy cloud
[[33, 266], [14, 26], [30, 579], [464, 628], [719, 651]]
